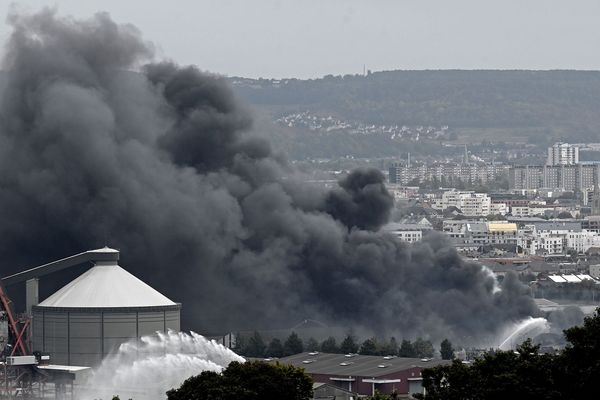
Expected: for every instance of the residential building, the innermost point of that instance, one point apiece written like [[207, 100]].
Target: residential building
[[556, 237], [469, 203], [408, 232], [591, 223], [499, 209], [480, 233], [501, 232], [596, 200], [444, 173], [563, 154], [574, 177]]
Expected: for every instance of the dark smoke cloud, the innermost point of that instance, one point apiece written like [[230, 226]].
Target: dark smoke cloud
[[362, 200], [159, 164], [565, 318]]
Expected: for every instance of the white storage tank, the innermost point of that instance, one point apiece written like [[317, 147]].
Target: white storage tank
[[91, 316]]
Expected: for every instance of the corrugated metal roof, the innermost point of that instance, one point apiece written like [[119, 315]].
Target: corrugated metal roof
[[106, 285], [557, 278], [358, 365], [585, 276], [571, 278]]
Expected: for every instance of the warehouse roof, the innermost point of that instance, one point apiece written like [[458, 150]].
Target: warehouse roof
[[355, 365], [106, 285]]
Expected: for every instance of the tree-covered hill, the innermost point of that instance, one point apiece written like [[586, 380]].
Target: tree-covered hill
[[511, 106]]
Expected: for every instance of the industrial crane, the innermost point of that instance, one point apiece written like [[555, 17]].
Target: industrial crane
[[12, 335]]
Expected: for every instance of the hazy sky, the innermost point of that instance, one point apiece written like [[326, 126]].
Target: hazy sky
[[312, 38]]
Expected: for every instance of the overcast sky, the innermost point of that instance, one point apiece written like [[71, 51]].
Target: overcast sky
[[312, 38]]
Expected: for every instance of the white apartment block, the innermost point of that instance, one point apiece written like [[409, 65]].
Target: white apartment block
[[563, 154], [581, 241], [531, 210], [469, 203], [550, 244], [498, 209], [409, 236], [556, 238], [408, 232]]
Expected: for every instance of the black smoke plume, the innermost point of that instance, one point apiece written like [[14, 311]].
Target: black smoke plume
[[99, 145]]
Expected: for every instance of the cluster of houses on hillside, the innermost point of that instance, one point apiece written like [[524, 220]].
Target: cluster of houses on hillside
[[328, 124]]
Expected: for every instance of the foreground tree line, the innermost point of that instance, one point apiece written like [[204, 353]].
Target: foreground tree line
[[573, 373], [255, 346], [252, 380]]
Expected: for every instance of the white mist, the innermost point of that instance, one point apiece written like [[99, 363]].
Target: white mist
[[147, 368]]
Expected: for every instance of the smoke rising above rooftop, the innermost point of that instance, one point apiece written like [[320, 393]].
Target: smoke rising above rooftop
[[97, 141]]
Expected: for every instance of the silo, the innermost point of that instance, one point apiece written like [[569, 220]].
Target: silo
[[92, 315]]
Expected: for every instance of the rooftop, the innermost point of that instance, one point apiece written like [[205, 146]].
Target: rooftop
[[106, 285], [355, 365]]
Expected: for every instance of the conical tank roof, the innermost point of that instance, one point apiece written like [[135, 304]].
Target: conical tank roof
[[106, 285]]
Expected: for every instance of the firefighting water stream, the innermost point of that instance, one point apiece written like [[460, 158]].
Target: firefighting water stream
[[528, 328], [149, 367]]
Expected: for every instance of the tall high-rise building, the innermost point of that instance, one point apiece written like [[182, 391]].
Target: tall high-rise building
[[596, 200], [563, 154]]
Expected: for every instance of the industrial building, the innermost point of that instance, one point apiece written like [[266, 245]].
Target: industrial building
[[92, 315], [75, 328], [363, 375]]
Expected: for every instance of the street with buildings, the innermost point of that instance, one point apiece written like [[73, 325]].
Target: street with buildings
[[544, 225]]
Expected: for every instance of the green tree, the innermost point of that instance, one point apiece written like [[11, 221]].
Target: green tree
[[368, 347], [423, 348], [252, 380], [255, 347], [446, 350], [580, 361], [349, 344], [406, 349], [312, 344], [275, 348], [380, 396], [240, 344], [389, 348], [293, 345], [329, 345], [524, 374], [393, 346]]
